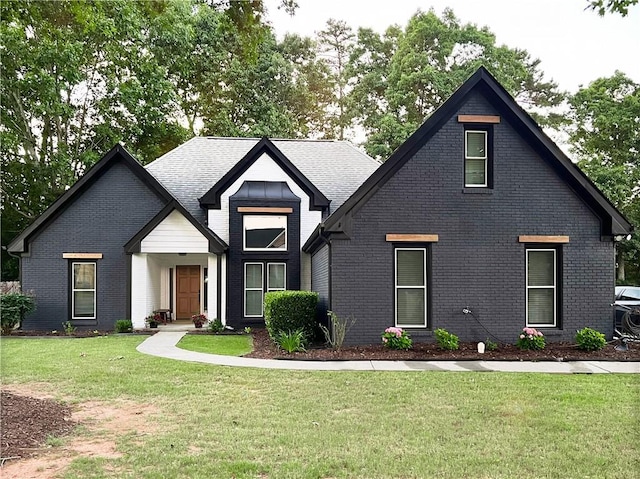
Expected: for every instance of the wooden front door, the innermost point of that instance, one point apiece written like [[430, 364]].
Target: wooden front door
[[187, 291]]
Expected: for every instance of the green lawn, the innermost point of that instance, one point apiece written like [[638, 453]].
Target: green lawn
[[228, 345], [248, 423]]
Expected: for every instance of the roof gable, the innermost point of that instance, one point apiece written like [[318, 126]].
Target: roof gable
[[211, 199], [117, 154], [216, 245], [613, 222]]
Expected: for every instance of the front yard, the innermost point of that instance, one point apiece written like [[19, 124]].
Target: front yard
[[180, 419]]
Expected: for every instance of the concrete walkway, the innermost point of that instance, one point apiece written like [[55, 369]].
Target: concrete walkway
[[163, 344]]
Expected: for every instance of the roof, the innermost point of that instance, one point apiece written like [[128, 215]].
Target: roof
[[613, 222], [334, 168], [117, 153], [265, 190]]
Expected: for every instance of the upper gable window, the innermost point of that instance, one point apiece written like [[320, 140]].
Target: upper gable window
[[476, 159], [265, 233]]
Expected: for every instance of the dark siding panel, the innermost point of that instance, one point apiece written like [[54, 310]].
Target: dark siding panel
[[320, 279], [102, 220], [478, 262]]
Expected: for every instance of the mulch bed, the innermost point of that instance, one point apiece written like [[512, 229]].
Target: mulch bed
[[264, 348], [27, 423]]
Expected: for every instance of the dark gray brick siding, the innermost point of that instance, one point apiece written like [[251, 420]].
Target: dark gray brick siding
[[320, 280], [237, 257], [101, 220], [478, 262]]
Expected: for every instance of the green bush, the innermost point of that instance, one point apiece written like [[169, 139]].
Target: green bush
[[396, 338], [124, 326], [290, 311], [216, 326], [531, 338], [490, 345], [15, 306], [590, 340], [446, 340], [291, 341]]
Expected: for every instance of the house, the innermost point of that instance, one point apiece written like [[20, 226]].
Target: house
[[478, 224]]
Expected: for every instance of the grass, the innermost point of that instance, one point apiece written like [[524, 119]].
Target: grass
[[247, 423], [228, 345]]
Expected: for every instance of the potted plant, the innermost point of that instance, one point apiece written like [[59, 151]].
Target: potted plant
[[198, 320], [153, 320]]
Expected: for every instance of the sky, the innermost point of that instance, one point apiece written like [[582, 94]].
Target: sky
[[575, 46]]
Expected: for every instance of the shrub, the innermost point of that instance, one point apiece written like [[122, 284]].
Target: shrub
[[15, 306], [339, 329], [396, 338], [290, 311], [124, 326], [291, 341], [216, 326], [490, 345], [446, 340], [69, 328], [590, 340], [530, 338]]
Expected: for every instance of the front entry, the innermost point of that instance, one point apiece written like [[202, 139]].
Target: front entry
[[187, 291]]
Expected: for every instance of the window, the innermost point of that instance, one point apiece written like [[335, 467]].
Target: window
[[542, 290], [254, 285], [83, 291], [476, 158], [253, 278], [265, 233], [276, 277], [411, 287]]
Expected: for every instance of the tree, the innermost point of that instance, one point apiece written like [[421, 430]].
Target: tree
[[336, 42], [604, 135], [431, 58], [611, 6]]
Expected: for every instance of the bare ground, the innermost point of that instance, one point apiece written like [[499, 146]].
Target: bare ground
[[30, 417]]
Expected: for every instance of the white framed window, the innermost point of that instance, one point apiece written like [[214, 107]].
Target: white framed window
[[83, 291], [264, 233], [411, 287], [253, 289], [541, 287], [276, 277], [475, 158]]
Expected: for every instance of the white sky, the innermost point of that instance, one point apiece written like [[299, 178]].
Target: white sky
[[575, 45]]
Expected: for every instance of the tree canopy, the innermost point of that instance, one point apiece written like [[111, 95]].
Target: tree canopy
[[605, 136], [78, 76]]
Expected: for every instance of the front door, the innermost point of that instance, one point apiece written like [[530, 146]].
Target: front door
[[187, 291]]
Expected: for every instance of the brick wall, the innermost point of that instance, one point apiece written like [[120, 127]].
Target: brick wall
[[477, 262], [101, 220]]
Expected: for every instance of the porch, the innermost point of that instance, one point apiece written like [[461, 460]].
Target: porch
[[182, 284]]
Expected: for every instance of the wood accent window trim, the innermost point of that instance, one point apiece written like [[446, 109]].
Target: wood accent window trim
[[412, 238], [542, 239], [81, 255], [259, 209], [478, 119]]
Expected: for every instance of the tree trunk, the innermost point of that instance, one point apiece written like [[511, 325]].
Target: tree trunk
[[620, 277]]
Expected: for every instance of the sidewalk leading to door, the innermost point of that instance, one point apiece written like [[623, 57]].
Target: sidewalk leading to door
[[163, 344]]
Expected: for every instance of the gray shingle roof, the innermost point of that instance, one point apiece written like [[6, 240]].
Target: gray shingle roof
[[336, 168]]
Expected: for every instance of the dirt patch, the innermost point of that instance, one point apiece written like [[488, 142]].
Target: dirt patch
[[101, 424], [264, 348], [27, 422]]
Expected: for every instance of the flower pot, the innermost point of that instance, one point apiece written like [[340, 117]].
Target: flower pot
[[153, 325], [198, 325]]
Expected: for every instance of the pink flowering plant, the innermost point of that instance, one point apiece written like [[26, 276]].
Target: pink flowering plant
[[396, 338], [530, 338]]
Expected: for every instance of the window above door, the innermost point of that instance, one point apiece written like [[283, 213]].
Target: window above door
[[264, 232]]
